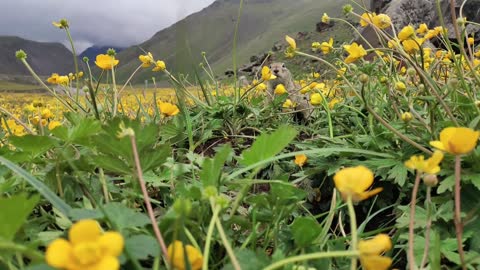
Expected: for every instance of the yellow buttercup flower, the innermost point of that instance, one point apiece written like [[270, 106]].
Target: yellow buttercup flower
[[406, 33], [371, 251], [334, 102], [105, 61], [146, 59], [288, 104], [300, 160], [382, 21], [327, 47], [470, 40], [457, 140], [353, 182], [176, 252], [422, 29], [429, 166], [366, 19], [355, 52], [400, 86], [325, 18], [280, 89], [261, 87], [267, 74], [87, 248], [168, 109], [407, 117], [63, 80], [53, 79], [291, 42], [46, 113], [412, 45], [159, 66], [316, 99]]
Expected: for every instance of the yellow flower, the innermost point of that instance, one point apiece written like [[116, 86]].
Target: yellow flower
[[168, 109], [288, 104], [105, 61], [470, 40], [422, 29], [366, 19], [400, 86], [327, 47], [371, 250], [291, 42], [261, 87], [382, 21], [53, 79], [355, 52], [146, 59], [406, 33], [429, 166], [63, 23], [280, 89], [53, 124], [267, 74], [300, 160], [325, 18], [316, 99], [457, 140], [159, 66], [334, 102], [80, 74], [88, 248], [411, 46], [46, 113], [63, 80], [315, 46], [316, 75], [176, 254], [352, 182], [407, 117]]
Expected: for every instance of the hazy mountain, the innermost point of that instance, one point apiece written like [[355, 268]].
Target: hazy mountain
[[93, 51], [44, 57], [262, 23]]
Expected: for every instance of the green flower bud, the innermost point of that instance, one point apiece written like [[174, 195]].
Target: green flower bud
[[210, 191], [363, 78], [85, 59], [347, 9], [182, 206], [411, 72], [20, 54], [222, 201], [111, 52]]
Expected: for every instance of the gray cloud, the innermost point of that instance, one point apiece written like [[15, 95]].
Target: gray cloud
[[102, 22]]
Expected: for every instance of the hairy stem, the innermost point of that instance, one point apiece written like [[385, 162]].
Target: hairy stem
[[413, 203], [457, 213]]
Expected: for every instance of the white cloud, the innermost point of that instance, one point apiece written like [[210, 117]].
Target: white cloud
[[101, 22]]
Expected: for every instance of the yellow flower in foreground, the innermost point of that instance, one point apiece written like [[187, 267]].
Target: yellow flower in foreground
[[406, 33], [280, 89], [355, 52], [382, 21], [267, 74], [146, 59], [105, 61], [325, 18], [457, 140], [88, 248], [176, 254], [159, 66], [291, 42], [353, 182], [168, 109], [429, 166], [316, 99], [327, 47], [371, 250], [300, 160]]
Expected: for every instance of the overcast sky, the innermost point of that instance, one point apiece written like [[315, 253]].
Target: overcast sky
[[101, 22]]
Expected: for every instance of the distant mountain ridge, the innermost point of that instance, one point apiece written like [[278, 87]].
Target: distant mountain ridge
[[93, 51], [44, 57], [211, 30]]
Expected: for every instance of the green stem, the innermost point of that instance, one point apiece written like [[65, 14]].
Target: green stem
[[234, 52], [13, 247], [411, 235], [428, 202], [75, 63], [226, 244], [211, 226], [458, 211], [312, 256], [353, 230]]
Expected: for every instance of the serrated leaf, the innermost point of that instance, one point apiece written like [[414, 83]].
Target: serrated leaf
[[446, 184], [112, 164], [399, 174], [33, 144], [268, 145], [211, 168], [125, 217], [142, 246], [14, 212], [305, 230]]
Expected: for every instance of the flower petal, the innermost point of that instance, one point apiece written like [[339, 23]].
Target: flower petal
[[87, 230], [58, 253], [375, 262], [107, 263], [112, 243], [438, 144]]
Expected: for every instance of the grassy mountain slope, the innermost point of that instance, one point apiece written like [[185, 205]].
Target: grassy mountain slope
[[262, 23], [45, 58]]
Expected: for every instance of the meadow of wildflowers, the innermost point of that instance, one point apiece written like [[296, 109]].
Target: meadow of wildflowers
[[383, 174]]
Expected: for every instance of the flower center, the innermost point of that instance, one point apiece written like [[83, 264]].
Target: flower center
[[87, 253]]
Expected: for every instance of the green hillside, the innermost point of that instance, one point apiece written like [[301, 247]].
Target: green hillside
[[263, 22]]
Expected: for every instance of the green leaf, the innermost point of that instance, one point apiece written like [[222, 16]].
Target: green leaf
[[212, 168], [39, 186], [305, 230], [141, 246], [152, 158], [14, 213], [249, 260], [112, 164], [33, 144], [398, 174], [124, 217], [446, 184], [82, 213], [268, 145]]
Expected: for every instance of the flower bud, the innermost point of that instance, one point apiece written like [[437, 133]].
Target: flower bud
[[453, 83], [407, 117], [363, 78], [85, 59], [411, 72], [111, 52], [477, 103], [182, 206], [210, 191], [20, 54], [347, 9], [430, 180]]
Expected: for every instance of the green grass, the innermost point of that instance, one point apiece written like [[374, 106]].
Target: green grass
[[7, 86]]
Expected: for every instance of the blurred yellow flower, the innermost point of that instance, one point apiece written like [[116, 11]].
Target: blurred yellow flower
[[105, 61], [291, 42], [334, 102], [46, 113], [87, 248], [300, 160], [53, 78], [280, 89], [325, 18], [382, 21], [400, 86], [470, 40], [159, 66], [355, 52], [327, 47], [353, 182], [457, 140], [267, 74], [176, 252], [261, 87], [63, 80], [411, 45], [53, 124], [366, 19], [371, 251], [146, 59], [422, 29], [168, 109], [316, 99], [407, 117], [406, 33], [429, 166], [288, 104]]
